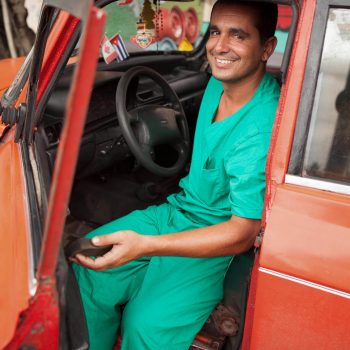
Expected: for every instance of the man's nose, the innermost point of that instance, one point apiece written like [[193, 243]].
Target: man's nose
[[222, 44]]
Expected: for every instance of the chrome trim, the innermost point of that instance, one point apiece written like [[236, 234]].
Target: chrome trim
[[305, 283], [11, 94], [34, 166], [32, 283], [317, 184]]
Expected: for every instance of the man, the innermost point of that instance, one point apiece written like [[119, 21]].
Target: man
[[168, 262]]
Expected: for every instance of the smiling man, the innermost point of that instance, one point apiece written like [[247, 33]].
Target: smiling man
[[168, 262]]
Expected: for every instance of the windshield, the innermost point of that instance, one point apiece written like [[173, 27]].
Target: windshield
[[157, 26]]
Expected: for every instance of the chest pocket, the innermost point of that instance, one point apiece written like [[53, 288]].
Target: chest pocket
[[213, 184]]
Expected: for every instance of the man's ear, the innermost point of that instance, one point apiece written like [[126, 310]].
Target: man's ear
[[269, 48]]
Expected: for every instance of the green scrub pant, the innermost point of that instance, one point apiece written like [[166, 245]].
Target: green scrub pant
[[166, 299]]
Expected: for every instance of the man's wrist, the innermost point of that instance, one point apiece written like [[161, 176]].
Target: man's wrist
[[153, 245]]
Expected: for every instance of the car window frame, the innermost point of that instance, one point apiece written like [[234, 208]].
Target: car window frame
[[37, 193], [301, 132]]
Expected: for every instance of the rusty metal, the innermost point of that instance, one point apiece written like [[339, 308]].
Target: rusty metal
[[38, 326]]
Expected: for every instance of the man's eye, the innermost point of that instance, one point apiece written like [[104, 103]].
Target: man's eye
[[214, 32], [237, 36]]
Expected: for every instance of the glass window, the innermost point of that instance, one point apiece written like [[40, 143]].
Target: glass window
[[167, 25], [284, 23], [283, 26], [158, 25], [327, 153]]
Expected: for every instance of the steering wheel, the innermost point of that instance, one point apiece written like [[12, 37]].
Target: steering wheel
[[148, 123]]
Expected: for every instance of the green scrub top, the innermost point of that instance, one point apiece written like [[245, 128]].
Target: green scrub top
[[227, 175]]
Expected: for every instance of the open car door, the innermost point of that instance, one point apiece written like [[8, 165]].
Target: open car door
[[303, 290], [38, 325]]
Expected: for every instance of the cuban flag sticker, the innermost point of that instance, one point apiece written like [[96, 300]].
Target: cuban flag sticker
[[119, 46]]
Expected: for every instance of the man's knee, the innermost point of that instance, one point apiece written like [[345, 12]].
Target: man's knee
[[138, 319], [153, 326]]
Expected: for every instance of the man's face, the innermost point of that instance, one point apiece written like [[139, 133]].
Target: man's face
[[234, 49]]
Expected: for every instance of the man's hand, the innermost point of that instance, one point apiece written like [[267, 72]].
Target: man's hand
[[231, 237], [127, 246]]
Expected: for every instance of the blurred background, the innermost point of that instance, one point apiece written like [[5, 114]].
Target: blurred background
[[18, 22]]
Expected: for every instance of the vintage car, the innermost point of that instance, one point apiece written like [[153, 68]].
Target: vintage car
[[74, 156]]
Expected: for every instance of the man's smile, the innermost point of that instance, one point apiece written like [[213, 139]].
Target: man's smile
[[224, 61]]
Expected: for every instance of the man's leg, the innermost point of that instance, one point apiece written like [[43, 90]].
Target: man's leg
[[103, 292], [176, 298]]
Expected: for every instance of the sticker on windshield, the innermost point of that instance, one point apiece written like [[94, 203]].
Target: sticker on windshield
[[145, 32], [114, 49]]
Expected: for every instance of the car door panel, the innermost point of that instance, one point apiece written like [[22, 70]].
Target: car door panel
[[16, 267], [306, 237], [303, 291], [295, 314]]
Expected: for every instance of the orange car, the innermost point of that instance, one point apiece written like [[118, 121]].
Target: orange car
[[67, 166]]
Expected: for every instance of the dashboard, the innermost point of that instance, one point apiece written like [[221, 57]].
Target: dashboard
[[103, 143]]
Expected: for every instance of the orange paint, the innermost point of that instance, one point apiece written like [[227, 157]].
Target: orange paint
[[9, 68], [292, 316], [307, 235], [14, 232], [303, 290]]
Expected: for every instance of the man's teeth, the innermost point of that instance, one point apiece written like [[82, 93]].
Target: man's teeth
[[224, 61]]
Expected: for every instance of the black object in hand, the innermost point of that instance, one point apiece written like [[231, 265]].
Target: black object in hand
[[86, 247]]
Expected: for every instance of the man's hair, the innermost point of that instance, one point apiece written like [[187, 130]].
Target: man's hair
[[267, 14]]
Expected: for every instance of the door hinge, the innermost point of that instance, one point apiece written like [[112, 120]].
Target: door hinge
[[12, 115]]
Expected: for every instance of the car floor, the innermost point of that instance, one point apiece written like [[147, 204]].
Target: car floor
[[102, 198]]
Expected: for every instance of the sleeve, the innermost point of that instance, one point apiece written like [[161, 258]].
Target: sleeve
[[245, 167]]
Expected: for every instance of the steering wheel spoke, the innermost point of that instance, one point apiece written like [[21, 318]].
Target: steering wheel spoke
[[181, 147], [133, 115], [147, 150]]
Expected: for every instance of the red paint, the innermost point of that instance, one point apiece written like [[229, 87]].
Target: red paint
[[191, 25], [306, 230], [38, 326], [55, 50], [68, 149], [283, 130], [284, 17], [14, 269], [306, 236], [171, 24], [3, 129], [39, 323], [9, 68], [248, 323], [292, 316]]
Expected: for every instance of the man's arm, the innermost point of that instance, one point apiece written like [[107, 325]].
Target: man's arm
[[227, 238]]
